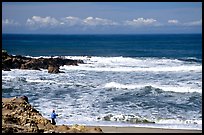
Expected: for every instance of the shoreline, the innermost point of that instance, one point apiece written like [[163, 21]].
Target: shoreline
[[116, 129], [18, 116]]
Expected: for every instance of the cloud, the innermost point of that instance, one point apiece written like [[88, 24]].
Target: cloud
[[71, 21], [37, 21], [98, 21], [8, 22], [194, 23], [142, 22], [173, 21]]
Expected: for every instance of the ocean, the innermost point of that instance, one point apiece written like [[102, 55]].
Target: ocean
[[127, 80]]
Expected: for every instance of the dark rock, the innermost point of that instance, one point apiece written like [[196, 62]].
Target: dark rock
[[80, 61], [108, 117], [71, 62], [53, 69], [16, 63], [6, 68], [7, 62], [25, 98], [20, 62], [32, 64]]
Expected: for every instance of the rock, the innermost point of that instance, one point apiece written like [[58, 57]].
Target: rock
[[62, 129], [108, 117], [20, 62], [9, 130], [27, 125], [7, 62], [18, 117], [41, 126], [24, 98], [53, 69], [6, 69], [16, 63], [32, 64], [96, 130]]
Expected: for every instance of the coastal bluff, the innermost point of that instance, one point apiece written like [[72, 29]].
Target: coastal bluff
[[19, 62], [18, 116]]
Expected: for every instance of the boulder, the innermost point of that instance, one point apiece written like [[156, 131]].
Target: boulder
[[18, 117], [53, 69]]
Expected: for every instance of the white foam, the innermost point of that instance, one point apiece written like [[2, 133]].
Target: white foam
[[178, 121], [134, 69], [115, 85], [159, 123], [125, 64], [37, 57], [40, 81], [121, 86]]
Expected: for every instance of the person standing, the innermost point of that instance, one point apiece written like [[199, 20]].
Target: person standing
[[53, 117]]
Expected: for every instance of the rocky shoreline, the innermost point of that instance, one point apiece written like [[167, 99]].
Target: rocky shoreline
[[19, 62], [18, 116]]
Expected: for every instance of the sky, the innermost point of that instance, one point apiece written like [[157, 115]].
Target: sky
[[101, 17]]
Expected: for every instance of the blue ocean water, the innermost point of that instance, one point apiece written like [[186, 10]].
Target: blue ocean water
[[125, 78], [170, 46]]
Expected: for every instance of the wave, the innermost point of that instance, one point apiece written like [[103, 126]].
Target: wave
[[134, 69], [133, 64], [134, 119], [122, 59], [125, 118], [191, 59], [114, 85], [127, 64], [39, 81], [121, 86]]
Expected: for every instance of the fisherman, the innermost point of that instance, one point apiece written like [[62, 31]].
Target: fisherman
[[53, 117]]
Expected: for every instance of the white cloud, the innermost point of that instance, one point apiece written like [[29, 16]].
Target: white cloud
[[98, 21], [37, 21], [9, 22], [173, 21], [71, 21], [142, 22], [194, 23]]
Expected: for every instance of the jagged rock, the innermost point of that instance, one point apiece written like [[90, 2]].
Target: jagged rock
[[16, 63], [53, 69], [18, 116], [7, 62], [32, 64], [20, 62]]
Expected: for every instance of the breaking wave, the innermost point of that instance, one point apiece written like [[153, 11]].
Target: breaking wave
[[114, 85]]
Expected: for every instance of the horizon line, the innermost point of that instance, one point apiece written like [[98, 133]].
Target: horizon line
[[101, 33]]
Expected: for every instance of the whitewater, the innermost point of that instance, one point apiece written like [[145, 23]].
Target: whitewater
[[115, 91]]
